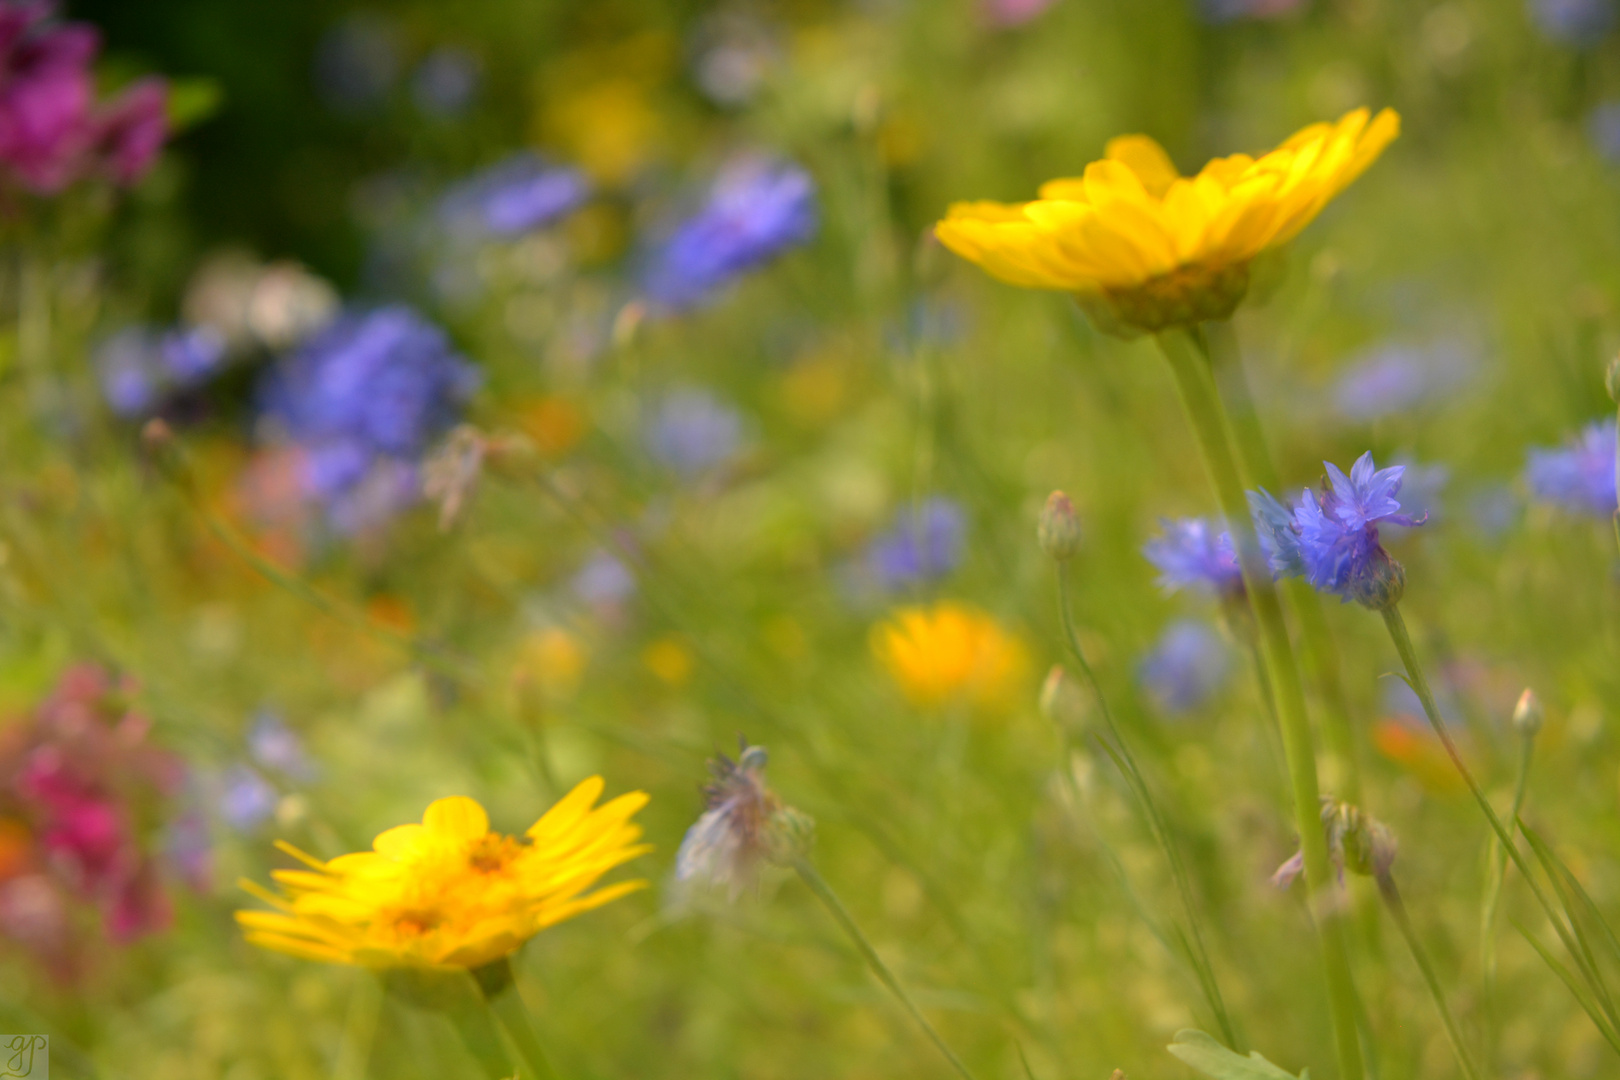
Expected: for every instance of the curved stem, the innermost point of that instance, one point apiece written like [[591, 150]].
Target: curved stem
[[1498, 866], [501, 995], [1204, 410], [1321, 654], [1420, 685], [1120, 750], [1397, 911], [835, 907]]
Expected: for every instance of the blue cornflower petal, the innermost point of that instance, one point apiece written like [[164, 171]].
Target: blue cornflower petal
[[1187, 665], [1331, 538], [1190, 553], [363, 399], [924, 544], [757, 209], [516, 196], [1580, 475], [1274, 523]]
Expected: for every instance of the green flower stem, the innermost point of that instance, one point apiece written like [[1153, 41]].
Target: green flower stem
[[1120, 751], [1420, 685], [1397, 911], [1321, 654], [835, 907], [1199, 396], [506, 1004], [479, 1034], [1498, 864]]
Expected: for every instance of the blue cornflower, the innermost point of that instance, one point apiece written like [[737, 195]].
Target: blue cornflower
[[1187, 665], [1396, 377], [247, 799], [1579, 476], [276, 746], [1581, 23], [924, 544], [1331, 538], [362, 399], [141, 368], [518, 195], [692, 431], [1191, 554], [1274, 525], [756, 209], [130, 381]]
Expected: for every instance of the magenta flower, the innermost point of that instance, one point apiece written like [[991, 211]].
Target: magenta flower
[[53, 132], [82, 797]]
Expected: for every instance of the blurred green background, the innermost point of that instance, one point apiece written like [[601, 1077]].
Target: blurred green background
[[1005, 879]]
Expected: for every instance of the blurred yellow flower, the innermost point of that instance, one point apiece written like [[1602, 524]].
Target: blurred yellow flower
[[1145, 247], [949, 651], [553, 658], [448, 893], [669, 659]]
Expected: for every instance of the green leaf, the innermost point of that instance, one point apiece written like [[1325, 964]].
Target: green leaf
[[193, 100], [1212, 1059]]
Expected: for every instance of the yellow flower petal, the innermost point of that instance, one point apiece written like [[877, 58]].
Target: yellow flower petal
[[1147, 159], [1160, 248], [456, 818]]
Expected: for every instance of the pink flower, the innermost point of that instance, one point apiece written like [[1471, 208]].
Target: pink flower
[[82, 796], [133, 130], [52, 131]]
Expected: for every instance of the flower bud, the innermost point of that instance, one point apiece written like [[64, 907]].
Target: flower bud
[[789, 835], [1383, 584], [1059, 530], [1528, 714]]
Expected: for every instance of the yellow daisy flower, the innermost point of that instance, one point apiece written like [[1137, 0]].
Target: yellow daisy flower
[[949, 651], [449, 893], [1145, 247]]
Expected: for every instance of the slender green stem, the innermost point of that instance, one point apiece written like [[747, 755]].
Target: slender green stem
[[359, 1029], [482, 1038], [1321, 654], [835, 907], [1204, 410], [506, 1004], [1498, 866], [1120, 750], [1397, 911], [1420, 685]]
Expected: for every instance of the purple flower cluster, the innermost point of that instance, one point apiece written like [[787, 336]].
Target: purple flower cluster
[[1187, 665], [1331, 537], [756, 209], [1581, 23], [362, 399], [1191, 554], [924, 544], [1580, 475], [141, 368], [53, 130], [516, 196]]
